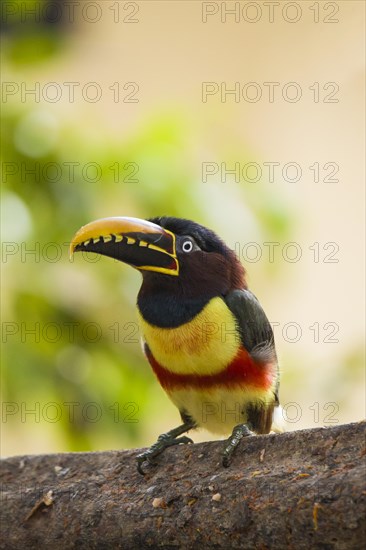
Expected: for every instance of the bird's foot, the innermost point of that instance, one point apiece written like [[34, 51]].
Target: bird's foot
[[239, 432], [164, 440]]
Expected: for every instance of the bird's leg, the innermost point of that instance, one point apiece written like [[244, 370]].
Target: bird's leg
[[165, 440], [240, 431]]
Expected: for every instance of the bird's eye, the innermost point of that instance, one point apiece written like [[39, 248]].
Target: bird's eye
[[187, 246]]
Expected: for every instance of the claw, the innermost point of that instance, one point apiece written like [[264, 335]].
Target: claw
[[140, 460], [164, 440], [225, 461]]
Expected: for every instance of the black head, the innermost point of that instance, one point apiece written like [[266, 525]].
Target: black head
[[183, 263], [206, 263]]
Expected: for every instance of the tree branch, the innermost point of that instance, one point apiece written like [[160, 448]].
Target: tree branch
[[298, 490]]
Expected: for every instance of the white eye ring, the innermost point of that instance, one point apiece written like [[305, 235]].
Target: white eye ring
[[187, 246]]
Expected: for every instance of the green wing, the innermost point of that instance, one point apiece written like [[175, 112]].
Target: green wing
[[255, 329], [257, 338]]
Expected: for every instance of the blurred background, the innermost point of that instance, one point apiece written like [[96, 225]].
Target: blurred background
[[250, 122]]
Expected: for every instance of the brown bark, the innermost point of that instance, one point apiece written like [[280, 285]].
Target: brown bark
[[302, 489]]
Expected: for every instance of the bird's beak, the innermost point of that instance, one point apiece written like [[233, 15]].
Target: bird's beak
[[139, 243]]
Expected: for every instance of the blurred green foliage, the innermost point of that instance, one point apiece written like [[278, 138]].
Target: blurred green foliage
[[32, 31]]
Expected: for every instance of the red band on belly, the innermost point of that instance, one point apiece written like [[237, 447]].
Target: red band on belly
[[242, 371]]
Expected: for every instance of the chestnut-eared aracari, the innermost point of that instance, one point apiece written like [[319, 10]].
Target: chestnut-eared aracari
[[204, 333]]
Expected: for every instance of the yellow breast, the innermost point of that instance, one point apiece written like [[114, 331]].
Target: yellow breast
[[205, 345]]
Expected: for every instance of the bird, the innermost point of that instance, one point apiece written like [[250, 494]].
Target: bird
[[204, 333]]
